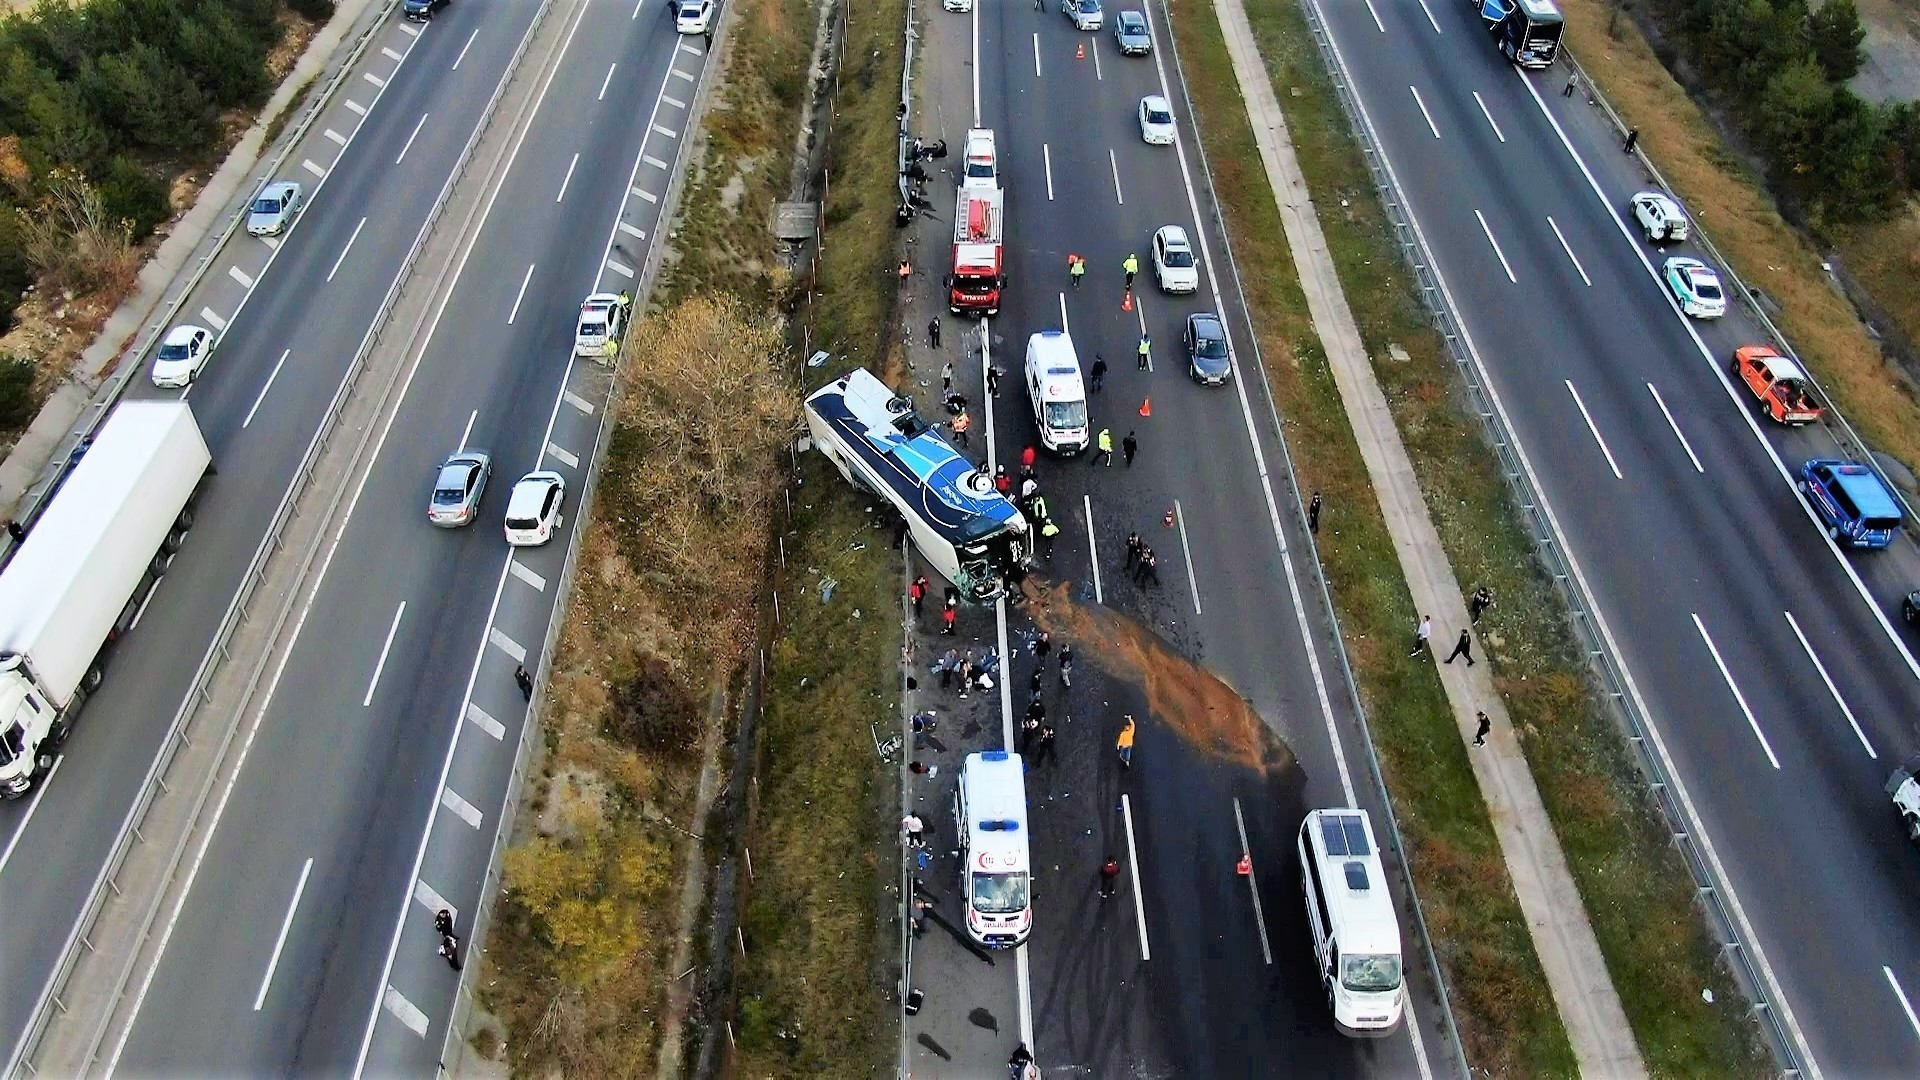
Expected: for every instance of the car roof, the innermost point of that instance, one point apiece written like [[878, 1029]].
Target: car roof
[[1173, 234], [530, 491], [1129, 17], [182, 334], [1682, 262], [1202, 320], [278, 187], [466, 457], [1156, 101], [1869, 495], [1660, 197]]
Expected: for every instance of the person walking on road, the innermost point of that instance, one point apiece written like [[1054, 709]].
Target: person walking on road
[[1042, 645], [1103, 448], [1145, 352], [523, 680], [443, 922], [1043, 746], [961, 425], [946, 377], [449, 950], [1573, 81], [1109, 877], [1130, 267], [1133, 548], [1049, 531], [1420, 636], [1313, 514], [1478, 603], [1124, 744], [1002, 483], [1148, 572], [1129, 446], [917, 592], [1480, 733], [1076, 269], [1066, 665], [947, 615], [993, 381], [1096, 373], [933, 331], [1026, 462], [1633, 140], [1463, 647], [914, 830]]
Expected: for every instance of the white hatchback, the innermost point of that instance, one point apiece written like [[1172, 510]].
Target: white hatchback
[[533, 510], [182, 355], [1173, 265]]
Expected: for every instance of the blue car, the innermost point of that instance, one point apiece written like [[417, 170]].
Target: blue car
[[1850, 499]]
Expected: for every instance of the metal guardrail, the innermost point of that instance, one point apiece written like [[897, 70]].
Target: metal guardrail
[[198, 694], [1548, 547], [1348, 680]]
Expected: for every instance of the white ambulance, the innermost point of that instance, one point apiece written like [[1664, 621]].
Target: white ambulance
[[990, 816], [1058, 393], [1356, 941]]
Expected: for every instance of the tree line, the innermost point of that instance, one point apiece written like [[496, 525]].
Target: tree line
[[1781, 70]]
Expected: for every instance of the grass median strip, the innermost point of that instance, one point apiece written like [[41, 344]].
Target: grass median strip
[[1637, 893]]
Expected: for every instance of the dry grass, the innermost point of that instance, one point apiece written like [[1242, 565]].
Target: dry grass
[[1735, 209]]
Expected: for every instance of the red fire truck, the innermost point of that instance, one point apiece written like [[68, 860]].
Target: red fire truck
[[978, 222]]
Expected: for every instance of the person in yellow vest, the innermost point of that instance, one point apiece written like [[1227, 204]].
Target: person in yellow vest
[[1104, 448], [611, 350], [962, 424], [1049, 529], [1132, 267], [1124, 743], [1076, 269]]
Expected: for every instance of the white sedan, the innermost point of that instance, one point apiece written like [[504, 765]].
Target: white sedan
[[182, 354], [693, 16], [1156, 120], [1173, 265], [1697, 287], [533, 510]]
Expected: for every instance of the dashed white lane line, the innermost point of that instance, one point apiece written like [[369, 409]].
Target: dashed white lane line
[[1115, 163], [356, 106], [1424, 114], [213, 319], [1684, 444], [464, 48], [1376, 17], [667, 131], [1593, 430], [638, 4], [1253, 885], [519, 296], [1133, 867], [1905, 1005], [240, 276], [391, 52], [655, 162], [673, 101], [1434, 21], [1193, 582], [1097, 76], [422, 122], [338, 138], [1036, 55], [1046, 159], [633, 231], [678, 74], [280, 943], [1831, 689], [316, 170], [578, 402], [620, 268], [564, 456], [506, 645], [519, 570], [1738, 697], [405, 1011], [272, 242], [468, 812], [381, 665], [1568, 248], [608, 81], [1483, 105], [7, 855], [374, 79], [567, 179], [431, 899], [645, 194], [344, 250], [274, 374], [1064, 328], [1093, 548], [691, 50], [486, 723], [1496, 247]]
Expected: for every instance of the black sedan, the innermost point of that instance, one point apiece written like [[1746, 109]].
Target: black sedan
[[1207, 358]]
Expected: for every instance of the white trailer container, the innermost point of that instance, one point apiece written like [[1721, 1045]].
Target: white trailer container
[[85, 568]]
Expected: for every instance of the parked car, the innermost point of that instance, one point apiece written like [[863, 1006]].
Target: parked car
[[1208, 359], [1174, 268], [979, 159], [1084, 14], [181, 355], [1784, 391], [603, 319], [457, 487], [1131, 34], [1660, 217], [533, 510], [274, 208], [1697, 287], [693, 16], [1850, 500], [1156, 120], [421, 10]]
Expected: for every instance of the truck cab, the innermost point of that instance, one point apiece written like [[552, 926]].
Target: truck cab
[[30, 728]]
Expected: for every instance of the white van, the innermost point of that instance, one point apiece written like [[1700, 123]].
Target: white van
[[1356, 941], [990, 817], [980, 162], [1058, 393]]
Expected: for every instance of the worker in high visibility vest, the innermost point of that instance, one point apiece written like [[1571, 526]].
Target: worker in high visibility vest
[[1076, 269], [1132, 267]]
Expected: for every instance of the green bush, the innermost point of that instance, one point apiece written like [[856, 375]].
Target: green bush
[[134, 193], [17, 400], [317, 11]]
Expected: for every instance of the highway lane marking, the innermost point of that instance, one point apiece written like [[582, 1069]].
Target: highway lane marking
[[422, 122], [240, 276], [505, 644], [645, 194], [656, 162], [1115, 163], [467, 812], [272, 242], [567, 179], [521, 295], [391, 52], [1484, 111], [1423, 111], [1593, 430], [633, 231], [608, 81], [286, 924], [636, 9], [1905, 1005], [690, 50], [1496, 247], [1193, 581], [381, 664], [338, 138], [464, 48], [213, 318], [519, 570], [1093, 548], [676, 73], [410, 31], [374, 79], [565, 456], [1046, 160], [1568, 248], [1133, 867], [577, 402], [486, 722], [1097, 76], [1064, 328], [620, 268], [356, 106], [667, 131], [673, 101], [432, 900], [32, 805], [343, 251], [1253, 886], [1738, 697], [1831, 689], [1036, 57], [1436, 23], [405, 1011], [1376, 17], [468, 430], [316, 170], [274, 374], [1684, 444]]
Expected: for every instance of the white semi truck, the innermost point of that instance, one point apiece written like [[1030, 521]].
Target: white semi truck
[[83, 572]]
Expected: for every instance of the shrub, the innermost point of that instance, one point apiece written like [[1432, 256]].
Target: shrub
[[316, 11], [133, 194], [18, 402], [1835, 34], [73, 240]]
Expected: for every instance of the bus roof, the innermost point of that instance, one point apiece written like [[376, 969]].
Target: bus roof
[[1358, 902]]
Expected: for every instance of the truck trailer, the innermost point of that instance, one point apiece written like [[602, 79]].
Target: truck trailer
[[80, 577]]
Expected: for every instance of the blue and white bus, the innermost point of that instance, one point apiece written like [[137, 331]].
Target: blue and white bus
[[1526, 31]]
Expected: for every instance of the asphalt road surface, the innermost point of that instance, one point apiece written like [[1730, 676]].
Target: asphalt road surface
[[1210, 985], [1772, 665]]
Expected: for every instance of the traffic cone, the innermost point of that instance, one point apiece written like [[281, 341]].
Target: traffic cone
[[1126, 301], [1146, 406], [1081, 52], [1245, 866], [1168, 520]]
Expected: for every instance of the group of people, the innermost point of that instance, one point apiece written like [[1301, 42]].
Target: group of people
[[1142, 563]]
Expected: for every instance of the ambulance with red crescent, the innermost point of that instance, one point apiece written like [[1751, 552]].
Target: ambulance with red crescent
[[996, 879]]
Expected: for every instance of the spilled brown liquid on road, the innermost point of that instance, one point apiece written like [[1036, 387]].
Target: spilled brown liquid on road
[[1181, 695]]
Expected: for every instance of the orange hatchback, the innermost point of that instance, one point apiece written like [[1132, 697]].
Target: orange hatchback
[[1779, 384]]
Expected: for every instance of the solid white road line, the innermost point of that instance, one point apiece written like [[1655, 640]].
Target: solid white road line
[[1435, 22], [1253, 885], [1115, 162], [567, 179], [1496, 247], [381, 665], [1424, 114], [344, 250], [32, 805], [418, 124], [505, 644], [1376, 17], [240, 276], [466, 811], [608, 81], [520, 571], [1738, 697], [638, 4], [519, 296], [1063, 313], [1905, 1005], [1684, 444], [468, 430], [1568, 248], [1193, 582], [1046, 160], [272, 375], [280, 943], [1594, 431], [1476, 97], [486, 722], [1831, 689], [1093, 548], [1133, 867], [464, 48]]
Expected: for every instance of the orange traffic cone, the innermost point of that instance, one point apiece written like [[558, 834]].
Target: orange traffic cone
[[1168, 520], [1081, 52], [1245, 866], [1126, 301], [1146, 406]]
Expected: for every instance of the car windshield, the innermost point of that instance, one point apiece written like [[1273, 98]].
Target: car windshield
[[1706, 290], [1066, 415], [1089, 7], [266, 205], [1158, 115], [451, 487], [1370, 974], [999, 894], [1180, 257], [1209, 347], [980, 167], [171, 351]]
